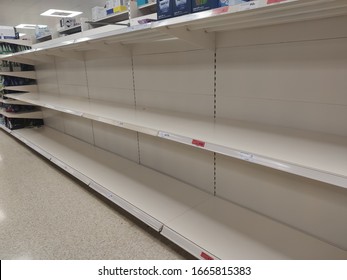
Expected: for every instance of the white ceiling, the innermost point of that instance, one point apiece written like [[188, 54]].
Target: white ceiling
[[14, 12]]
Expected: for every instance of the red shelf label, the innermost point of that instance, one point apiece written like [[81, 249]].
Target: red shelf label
[[205, 256], [198, 143]]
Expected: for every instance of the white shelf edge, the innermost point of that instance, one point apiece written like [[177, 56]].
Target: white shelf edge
[[146, 6], [13, 101], [188, 245], [17, 57], [22, 115], [30, 88], [21, 74], [319, 175], [5, 129]]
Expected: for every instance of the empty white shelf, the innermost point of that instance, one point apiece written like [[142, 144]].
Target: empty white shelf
[[17, 57], [201, 223], [313, 155], [156, 198], [12, 101], [21, 74], [229, 231], [28, 88], [22, 115]]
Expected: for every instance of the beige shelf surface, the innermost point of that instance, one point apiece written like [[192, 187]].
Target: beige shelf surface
[[314, 155]]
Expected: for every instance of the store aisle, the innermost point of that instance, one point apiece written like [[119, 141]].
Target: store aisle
[[46, 214]]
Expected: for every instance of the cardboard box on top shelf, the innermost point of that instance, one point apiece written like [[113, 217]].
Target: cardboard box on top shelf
[[98, 13]]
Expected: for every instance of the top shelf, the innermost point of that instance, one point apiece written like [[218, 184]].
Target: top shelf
[[182, 28], [16, 42], [147, 6], [308, 154], [112, 18], [70, 30]]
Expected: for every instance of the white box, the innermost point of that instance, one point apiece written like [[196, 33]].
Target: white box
[[7, 32], [98, 12], [109, 4]]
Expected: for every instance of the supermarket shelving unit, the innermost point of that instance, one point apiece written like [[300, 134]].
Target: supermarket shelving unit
[[252, 100], [7, 99]]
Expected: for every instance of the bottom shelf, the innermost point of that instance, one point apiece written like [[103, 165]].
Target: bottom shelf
[[206, 226]]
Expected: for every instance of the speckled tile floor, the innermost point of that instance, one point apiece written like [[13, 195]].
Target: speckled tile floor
[[46, 214]]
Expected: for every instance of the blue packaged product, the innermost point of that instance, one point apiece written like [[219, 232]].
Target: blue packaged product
[[203, 5], [182, 7], [164, 9]]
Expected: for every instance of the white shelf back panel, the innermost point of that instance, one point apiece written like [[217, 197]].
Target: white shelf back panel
[[53, 119], [46, 77], [181, 81], [79, 128], [110, 72], [74, 90], [311, 206], [185, 163], [71, 77], [120, 141], [111, 79], [112, 94], [300, 85]]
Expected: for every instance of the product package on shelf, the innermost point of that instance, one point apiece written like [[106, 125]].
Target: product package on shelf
[[5, 66], [165, 9], [141, 2], [116, 6], [16, 123], [203, 5], [7, 32], [98, 13], [182, 7]]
